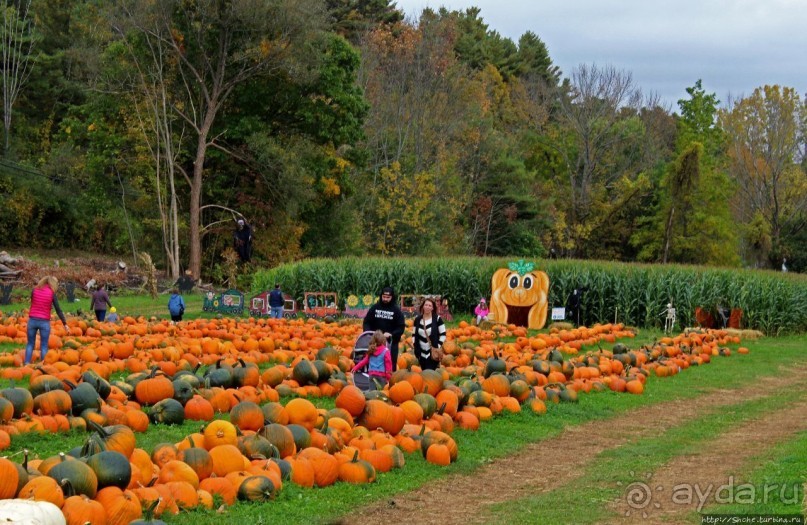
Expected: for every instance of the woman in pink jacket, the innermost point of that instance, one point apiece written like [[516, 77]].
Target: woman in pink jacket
[[42, 299]]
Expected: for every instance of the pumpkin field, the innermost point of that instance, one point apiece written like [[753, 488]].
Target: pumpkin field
[[256, 420]]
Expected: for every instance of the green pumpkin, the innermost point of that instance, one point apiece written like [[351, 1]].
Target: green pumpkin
[[20, 398], [302, 438], [281, 437], [168, 412], [111, 468], [328, 354], [427, 402], [98, 383], [495, 365], [256, 445], [222, 377], [323, 370], [45, 384], [256, 488], [84, 396], [568, 396], [183, 391], [285, 468], [555, 356], [620, 348], [78, 474], [305, 373], [188, 377]]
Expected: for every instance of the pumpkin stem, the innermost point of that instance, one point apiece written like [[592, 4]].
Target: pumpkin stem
[[149, 511], [67, 488], [355, 456]]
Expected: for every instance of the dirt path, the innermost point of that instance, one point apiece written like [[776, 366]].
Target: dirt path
[[690, 482], [509, 477]]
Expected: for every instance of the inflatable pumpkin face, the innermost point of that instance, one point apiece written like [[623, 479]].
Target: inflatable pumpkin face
[[519, 295]]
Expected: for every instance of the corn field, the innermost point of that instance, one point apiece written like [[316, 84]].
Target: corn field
[[634, 294]]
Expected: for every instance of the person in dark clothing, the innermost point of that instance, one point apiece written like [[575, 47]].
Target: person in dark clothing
[[276, 302], [176, 306], [242, 240], [386, 315], [99, 303]]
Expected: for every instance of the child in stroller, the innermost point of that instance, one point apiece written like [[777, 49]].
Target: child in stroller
[[373, 360]]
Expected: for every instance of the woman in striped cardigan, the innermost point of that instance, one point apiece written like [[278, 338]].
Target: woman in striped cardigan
[[429, 334]]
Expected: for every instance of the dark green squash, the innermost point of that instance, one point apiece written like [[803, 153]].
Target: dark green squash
[[167, 412], [112, 469], [305, 373], [80, 476], [84, 396], [20, 398], [302, 437], [495, 365], [256, 488]]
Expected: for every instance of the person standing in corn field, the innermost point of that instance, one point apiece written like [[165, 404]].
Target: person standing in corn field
[[386, 315]]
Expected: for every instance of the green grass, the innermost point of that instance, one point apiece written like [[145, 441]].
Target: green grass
[[782, 471], [606, 478], [126, 304]]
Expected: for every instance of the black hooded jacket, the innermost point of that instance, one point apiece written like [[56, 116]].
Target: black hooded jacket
[[386, 317]]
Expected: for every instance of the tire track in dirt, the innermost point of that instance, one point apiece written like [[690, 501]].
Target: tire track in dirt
[[689, 482], [546, 465]]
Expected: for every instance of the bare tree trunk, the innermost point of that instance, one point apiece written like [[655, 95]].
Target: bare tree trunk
[[17, 45], [196, 205], [668, 235]]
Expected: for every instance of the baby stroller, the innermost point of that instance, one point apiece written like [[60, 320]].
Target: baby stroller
[[361, 379]]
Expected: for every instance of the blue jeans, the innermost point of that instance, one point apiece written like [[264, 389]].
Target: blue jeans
[[276, 312], [43, 326], [100, 315]]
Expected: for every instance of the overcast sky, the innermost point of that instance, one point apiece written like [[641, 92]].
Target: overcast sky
[[734, 46]]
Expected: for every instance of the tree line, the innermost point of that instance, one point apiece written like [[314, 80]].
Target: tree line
[[337, 127]]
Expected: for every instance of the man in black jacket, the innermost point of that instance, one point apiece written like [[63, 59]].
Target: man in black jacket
[[386, 315]]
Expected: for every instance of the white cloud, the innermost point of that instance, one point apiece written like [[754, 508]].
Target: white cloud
[[733, 45]]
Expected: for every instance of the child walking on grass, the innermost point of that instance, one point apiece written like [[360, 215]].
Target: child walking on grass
[[378, 360]]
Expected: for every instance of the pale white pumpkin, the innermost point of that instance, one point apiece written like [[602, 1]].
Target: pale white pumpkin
[[24, 511]]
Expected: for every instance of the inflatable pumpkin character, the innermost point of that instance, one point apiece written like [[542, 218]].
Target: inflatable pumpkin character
[[519, 295]]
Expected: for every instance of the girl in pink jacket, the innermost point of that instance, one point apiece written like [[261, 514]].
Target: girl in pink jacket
[[378, 360], [43, 298], [481, 311]]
